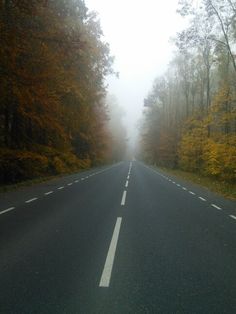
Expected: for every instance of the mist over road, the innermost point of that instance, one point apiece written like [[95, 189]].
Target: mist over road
[[124, 238]]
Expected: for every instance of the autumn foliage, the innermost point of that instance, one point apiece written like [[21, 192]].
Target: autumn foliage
[[189, 119], [53, 62]]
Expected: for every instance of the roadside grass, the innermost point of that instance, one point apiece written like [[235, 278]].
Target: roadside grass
[[223, 188], [31, 182], [16, 186]]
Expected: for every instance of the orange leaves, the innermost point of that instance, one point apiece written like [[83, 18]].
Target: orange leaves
[[53, 64]]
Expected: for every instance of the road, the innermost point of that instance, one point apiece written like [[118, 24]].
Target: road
[[125, 238]]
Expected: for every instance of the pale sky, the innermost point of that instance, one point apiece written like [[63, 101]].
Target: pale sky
[[138, 33]]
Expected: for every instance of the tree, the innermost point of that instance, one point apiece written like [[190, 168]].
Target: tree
[[53, 63], [190, 116]]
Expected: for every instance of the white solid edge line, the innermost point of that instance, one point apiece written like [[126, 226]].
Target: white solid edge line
[[7, 210], [123, 198], [107, 270], [217, 207], [47, 193], [31, 200], [232, 216], [127, 183], [201, 198]]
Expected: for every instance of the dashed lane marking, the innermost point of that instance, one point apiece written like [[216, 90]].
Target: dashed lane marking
[[215, 206], [31, 200], [232, 216], [47, 193], [123, 198], [191, 192], [50, 192], [202, 199], [7, 210], [107, 270]]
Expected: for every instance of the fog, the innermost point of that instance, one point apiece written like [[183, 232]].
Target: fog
[[139, 36]]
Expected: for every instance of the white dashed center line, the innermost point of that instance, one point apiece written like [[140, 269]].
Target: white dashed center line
[[31, 200], [232, 216], [123, 198], [69, 183], [192, 193], [106, 274], [217, 207], [184, 188], [127, 183], [47, 193], [60, 188], [7, 210], [202, 199]]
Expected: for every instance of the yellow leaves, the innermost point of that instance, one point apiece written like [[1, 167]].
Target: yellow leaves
[[209, 145], [220, 158], [223, 96], [17, 165], [223, 105], [192, 143]]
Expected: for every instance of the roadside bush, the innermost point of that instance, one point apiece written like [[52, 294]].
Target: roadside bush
[[220, 159], [18, 165], [58, 166]]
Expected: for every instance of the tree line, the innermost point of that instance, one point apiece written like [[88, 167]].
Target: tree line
[[189, 120], [53, 112]]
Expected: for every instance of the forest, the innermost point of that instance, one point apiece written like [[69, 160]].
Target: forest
[[54, 112], [189, 118]]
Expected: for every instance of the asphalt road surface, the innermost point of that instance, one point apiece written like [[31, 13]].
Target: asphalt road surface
[[125, 238]]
